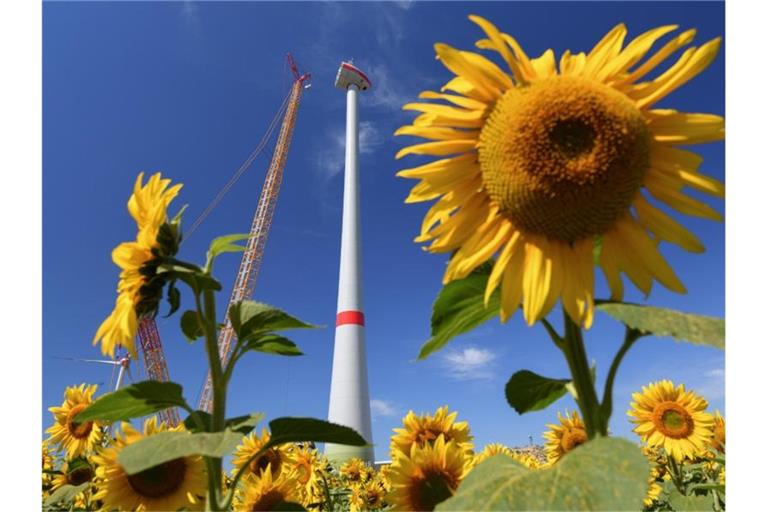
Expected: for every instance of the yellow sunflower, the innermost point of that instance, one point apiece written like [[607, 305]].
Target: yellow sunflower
[[169, 486], [47, 464], [274, 458], [718, 440], [307, 465], [140, 287], [370, 496], [426, 429], [562, 438], [673, 418], [75, 439], [490, 450], [429, 475], [356, 471], [267, 491], [76, 473], [548, 165], [654, 491]]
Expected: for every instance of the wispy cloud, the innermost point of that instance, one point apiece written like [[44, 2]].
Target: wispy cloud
[[331, 158], [387, 92], [383, 408], [190, 15], [470, 363]]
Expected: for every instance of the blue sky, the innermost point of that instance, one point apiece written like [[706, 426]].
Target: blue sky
[[189, 89]]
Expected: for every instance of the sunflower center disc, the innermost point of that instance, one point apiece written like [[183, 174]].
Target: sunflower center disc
[[672, 420], [78, 430], [564, 157], [160, 480], [433, 489], [271, 457], [79, 476], [269, 501], [572, 438]]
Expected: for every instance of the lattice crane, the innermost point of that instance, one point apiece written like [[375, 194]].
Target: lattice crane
[[245, 281], [148, 335]]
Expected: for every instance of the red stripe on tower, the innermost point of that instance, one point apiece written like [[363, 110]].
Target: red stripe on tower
[[350, 317]]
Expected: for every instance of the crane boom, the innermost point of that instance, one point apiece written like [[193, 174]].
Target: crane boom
[[250, 264]]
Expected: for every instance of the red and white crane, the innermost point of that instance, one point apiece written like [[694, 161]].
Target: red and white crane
[[245, 281]]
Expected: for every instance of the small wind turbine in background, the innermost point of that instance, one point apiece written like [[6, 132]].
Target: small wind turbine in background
[[123, 363]]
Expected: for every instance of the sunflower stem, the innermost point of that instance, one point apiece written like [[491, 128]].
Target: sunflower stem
[[575, 354], [207, 318], [606, 407]]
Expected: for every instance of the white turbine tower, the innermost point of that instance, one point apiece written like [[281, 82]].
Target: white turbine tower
[[349, 401]]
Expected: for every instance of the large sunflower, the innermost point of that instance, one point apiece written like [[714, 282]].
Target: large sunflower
[[74, 438], [429, 475], [169, 486], [549, 166], [140, 287], [426, 428], [562, 438], [274, 458], [673, 418], [269, 490]]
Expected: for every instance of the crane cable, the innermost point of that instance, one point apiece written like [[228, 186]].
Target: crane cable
[[239, 172]]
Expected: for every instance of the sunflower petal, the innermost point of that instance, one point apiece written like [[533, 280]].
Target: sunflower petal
[[456, 62], [665, 227], [461, 101], [660, 56], [672, 127], [498, 43], [439, 148]]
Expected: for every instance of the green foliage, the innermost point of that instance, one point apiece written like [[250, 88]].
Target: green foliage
[[272, 344], [243, 424], [296, 430], [603, 474], [460, 307], [682, 503], [251, 319], [224, 244], [527, 391], [699, 329], [190, 326], [166, 446], [64, 494], [140, 399]]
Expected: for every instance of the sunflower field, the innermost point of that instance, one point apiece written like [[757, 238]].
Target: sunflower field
[[550, 169]]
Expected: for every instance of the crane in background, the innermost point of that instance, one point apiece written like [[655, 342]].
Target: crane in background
[[250, 264], [155, 363]]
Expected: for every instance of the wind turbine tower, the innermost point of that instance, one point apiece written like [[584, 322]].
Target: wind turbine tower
[[349, 402]]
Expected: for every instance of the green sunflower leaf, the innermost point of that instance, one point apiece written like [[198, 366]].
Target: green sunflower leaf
[[527, 391], [190, 326], [140, 399], [156, 449], [223, 244], [64, 494], [603, 474], [460, 307], [251, 319], [273, 344], [243, 424], [297, 430], [699, 329], [682, 503]]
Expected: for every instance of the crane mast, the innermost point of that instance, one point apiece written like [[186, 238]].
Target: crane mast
[[245, 281], [155, 364]]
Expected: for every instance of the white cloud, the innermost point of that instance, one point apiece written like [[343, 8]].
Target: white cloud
[[470, 363], [331, 158], [383, 408], [386, 92]]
